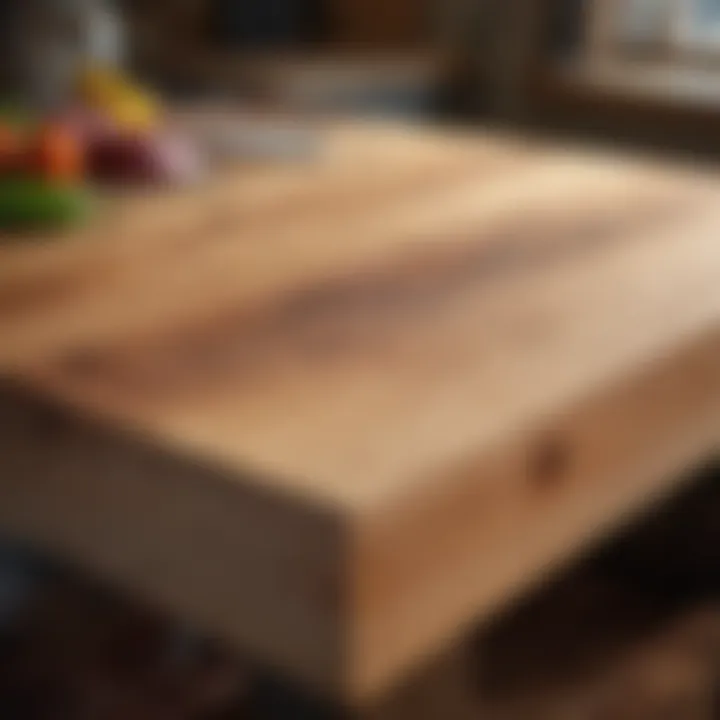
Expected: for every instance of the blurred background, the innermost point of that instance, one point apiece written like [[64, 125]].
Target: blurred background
[[637, 70], [632, 631]]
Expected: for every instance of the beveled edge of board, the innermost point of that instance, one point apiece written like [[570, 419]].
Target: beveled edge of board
[[349, 603], [258, 567], [430, 569]]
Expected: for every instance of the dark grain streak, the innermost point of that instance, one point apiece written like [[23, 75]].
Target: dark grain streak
[[353, 316], [25, 296], [221, 224]]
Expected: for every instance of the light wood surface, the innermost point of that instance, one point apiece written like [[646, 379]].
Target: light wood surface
[[338, 412]]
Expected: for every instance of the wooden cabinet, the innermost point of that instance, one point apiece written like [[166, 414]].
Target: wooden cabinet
[[380, 23], [215, 45], [385, 24]]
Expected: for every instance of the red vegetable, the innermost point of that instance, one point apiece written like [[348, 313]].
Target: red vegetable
[[162, 159]]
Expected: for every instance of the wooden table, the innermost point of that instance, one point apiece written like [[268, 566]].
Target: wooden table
[[340, 412]]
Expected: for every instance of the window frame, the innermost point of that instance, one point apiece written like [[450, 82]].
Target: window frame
[[550, 100], [679, 41]]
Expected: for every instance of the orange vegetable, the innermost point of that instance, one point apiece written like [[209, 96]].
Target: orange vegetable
[[59, 154]]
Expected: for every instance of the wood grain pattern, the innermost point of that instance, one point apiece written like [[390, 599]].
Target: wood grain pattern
[[338, 412]]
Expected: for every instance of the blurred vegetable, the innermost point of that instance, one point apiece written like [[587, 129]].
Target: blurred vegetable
[[160, 158], [33, 204], [59, 154], [87, 125], [128, 105], [135, 112]]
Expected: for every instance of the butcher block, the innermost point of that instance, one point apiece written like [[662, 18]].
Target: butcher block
[[337, 411]]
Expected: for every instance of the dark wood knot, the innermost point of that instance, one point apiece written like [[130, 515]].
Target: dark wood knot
[[550, 463]]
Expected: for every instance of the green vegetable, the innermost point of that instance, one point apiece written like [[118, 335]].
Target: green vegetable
[[29, 204]]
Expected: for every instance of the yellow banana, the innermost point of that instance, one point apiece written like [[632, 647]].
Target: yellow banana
[[111, 93]]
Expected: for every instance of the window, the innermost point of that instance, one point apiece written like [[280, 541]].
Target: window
[[655, 29], [699, 25]]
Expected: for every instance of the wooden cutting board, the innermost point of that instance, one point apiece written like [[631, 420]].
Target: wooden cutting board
[[339, 411]]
